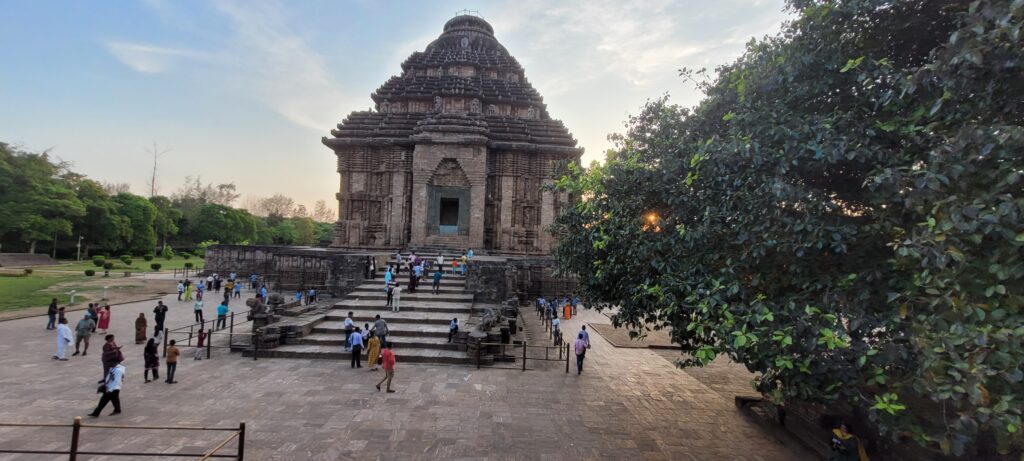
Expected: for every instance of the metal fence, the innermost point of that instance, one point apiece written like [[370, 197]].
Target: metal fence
[[521, 352], [76, 427]]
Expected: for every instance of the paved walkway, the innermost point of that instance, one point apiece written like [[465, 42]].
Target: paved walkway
[[628, 404]]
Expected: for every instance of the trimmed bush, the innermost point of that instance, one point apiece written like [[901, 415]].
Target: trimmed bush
[[108, 265], [188, 265], [28, 271], [155, 266], [90, 272], [167, 253], [98, 261], [186, 255], [126, 259], [148, 257]]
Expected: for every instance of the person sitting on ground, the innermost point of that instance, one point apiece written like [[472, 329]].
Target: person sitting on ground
[[846, 446], [453, 328]]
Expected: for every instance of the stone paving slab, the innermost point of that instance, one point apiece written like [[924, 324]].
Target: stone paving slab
[[367, 316], [405, 306], [628, 404]]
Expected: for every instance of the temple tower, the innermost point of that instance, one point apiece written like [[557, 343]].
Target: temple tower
[[455, 154]]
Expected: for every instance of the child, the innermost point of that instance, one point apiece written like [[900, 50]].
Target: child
[[172, 362], [197, 354]]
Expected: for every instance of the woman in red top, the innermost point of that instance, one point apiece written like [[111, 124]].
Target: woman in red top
[[388, 362], [104, 319]]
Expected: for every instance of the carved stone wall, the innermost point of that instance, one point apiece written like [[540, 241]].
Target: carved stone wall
[[373, 198], [290, 268], [496, 280]]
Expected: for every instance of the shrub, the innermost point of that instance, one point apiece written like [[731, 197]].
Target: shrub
[[155, 266], [126, 259], [188, 265], [90, 272], [98, 261], [186, 255], [28, 271], [167, 253], [108, 265], [148, 257]]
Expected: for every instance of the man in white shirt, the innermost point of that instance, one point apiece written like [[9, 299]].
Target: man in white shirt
[[111, 391], [396, 298], [64, 338], [350, 326], [555, 331]]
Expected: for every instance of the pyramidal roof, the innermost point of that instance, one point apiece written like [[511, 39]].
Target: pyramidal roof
[[465, 73]]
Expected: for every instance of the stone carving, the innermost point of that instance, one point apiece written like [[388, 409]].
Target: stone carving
[[474, 106], [438, 103], [450, 174], [488, 320], [465, 42], [386, 107], [531, 113], [492, 109]]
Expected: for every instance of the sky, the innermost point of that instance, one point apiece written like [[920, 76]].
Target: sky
[[242, 91]]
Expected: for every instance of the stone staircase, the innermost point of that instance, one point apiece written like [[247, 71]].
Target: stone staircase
[[419, 330]]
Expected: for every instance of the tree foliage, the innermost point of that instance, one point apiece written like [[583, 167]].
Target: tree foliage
[[36, 200], [841, 213]]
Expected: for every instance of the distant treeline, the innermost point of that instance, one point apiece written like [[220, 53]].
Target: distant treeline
[[45, 206]]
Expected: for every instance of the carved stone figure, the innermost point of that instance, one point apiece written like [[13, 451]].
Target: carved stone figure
[[492, 109], [474, 106], [438, 103], [465, 42], [531, 113]]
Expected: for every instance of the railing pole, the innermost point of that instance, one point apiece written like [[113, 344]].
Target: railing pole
[[231, 331], [255, 346], [190, 335], [165, 342], [241, 441], [76, 427], [524, 355], [209, 344], [566, 358]]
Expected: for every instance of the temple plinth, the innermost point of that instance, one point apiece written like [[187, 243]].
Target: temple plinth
[[455, 154]]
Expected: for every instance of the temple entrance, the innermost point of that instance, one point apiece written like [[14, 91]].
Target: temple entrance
[[448, 216]]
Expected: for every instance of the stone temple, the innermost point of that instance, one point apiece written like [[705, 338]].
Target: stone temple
[[455, 154]]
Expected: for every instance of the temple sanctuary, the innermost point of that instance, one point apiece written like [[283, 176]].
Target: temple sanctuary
[[455, 154]]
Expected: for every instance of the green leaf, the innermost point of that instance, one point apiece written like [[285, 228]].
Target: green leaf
[[851, 64]]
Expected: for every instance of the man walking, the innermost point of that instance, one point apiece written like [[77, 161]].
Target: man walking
[[380, 328], [64, 338], [397, 298], [181, 289], [222, 316], [111, 355], [581, 353], [160, 313], [82, 332], [349, 326], [387, 359], [437, 280], [172, 362], [357, 349], [197, 308], [111, 390], [51, 312]]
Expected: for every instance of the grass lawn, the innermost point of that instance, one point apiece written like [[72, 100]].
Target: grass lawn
[[21, 292], [138, 265]]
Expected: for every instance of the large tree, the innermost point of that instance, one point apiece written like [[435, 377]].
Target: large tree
[[36, 201], [841, 213], [222, 224], [141, 214], [167, 217], [102, 225]]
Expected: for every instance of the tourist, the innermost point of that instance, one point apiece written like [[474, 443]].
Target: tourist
[[222, 316], [556, 332], [228, 286], [181, 289], [200, 291], [380, 328], [846, 446], [398, 298], [412, 281], [298, 296], [140, 328], [104, 321], [51, 312], [581, 353], [349, 328], [453, 328], [455, 265], [252, 281], [172, 362], [232, 277], [188, 291], [357, 349], [216, 283], [238, 290], [398, 262], [372, 351], [437, 281], [197, 309], [197, 354], [64, 338], [160, 313], [585, 335], [418, 269], [575, 302], [151, 358], [311, 296], [387, 359], [82, 332], [263, 293], [389, 290], [209, 282], [463, 265], [60, 314], [388, 275], [366, 268], [469, 253], [111, 389], [111, 355], [440, 261]]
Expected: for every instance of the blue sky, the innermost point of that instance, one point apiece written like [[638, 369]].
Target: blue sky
[[242, 91]]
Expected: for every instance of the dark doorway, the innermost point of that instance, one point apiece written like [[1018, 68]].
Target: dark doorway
[[449, 212]]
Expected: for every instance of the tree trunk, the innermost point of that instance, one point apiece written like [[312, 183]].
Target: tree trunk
[[32, 247]]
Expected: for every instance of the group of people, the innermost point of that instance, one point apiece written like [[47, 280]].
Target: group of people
[[94, 318], [374, 340], [212, 283]]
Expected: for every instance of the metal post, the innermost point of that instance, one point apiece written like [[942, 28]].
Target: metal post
[[524, 355], [241, 441], [231, 331], [190, 335], [76, 427], [165, 343], [209, 344], [255, 346], [560, 353], [566, 358]]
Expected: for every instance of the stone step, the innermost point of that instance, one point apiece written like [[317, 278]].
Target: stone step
[[334, 327], [422, 294], [346, 305], [425, 284], [446, 275], [413, 355], [362, 316], [402, 342]]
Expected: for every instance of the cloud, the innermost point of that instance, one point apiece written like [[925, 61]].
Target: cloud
[[277, 64], [150, 59]]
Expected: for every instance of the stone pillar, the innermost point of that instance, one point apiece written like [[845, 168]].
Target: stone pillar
[[504, 235], [547, 217]]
